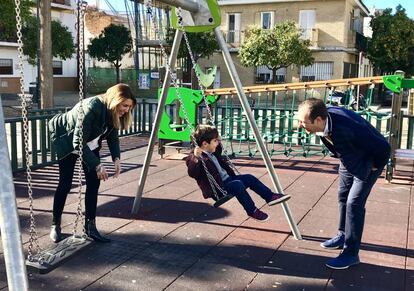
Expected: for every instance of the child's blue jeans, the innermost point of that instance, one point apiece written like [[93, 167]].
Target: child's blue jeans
[[237, 186]]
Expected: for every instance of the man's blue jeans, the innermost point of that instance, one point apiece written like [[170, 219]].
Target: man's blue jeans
[[237, 186], [352, 197]]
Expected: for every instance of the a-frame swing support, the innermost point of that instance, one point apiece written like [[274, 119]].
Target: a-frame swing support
[[9, 220], [193, 7]]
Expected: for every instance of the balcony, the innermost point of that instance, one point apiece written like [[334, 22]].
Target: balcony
[[312, 35], [361, 42]]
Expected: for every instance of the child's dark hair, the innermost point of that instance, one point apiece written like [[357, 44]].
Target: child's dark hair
[[205, 133]]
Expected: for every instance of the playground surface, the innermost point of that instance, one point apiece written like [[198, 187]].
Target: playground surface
[[178, 241]]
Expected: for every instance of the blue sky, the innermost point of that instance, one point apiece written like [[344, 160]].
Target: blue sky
[[407, 4]]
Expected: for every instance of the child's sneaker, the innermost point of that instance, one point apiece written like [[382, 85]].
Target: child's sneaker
[[259, 215], [278, 198]]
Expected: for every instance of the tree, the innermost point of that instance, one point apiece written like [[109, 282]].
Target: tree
[[275, 48], [391, 47], [202, 44], [8, 18], [111, 45], [62, 40]]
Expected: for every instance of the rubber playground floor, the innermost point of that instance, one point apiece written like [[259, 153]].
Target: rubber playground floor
[[178, 241]]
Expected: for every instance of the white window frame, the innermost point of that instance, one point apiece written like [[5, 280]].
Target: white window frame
[[11, 66], [272, 21], [54, 63], [307, 22], [233, 35]]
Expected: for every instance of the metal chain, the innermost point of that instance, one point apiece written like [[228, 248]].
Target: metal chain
[[212, 181], [81, 26], [33, 240], [210, 117]]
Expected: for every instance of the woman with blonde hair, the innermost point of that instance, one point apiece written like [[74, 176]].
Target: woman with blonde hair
[[104, 115]]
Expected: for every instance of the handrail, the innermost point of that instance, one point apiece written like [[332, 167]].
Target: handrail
[[299, 86]]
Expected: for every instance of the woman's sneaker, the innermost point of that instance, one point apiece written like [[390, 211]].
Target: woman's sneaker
[[259, 215], [278, 198]]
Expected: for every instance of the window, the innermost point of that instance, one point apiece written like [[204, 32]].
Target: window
[[57, 68], [307, 22], [316, 72], [350, 70], [266, 20], [265, 76], [6, 67], [233, 28]]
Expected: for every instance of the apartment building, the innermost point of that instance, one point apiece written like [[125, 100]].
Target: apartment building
[[64, 71], [334, 27]]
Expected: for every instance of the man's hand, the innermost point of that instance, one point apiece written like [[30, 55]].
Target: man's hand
[[197, 152], [101, 172], [117, 164]]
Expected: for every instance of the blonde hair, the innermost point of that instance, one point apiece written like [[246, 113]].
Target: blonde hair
[[114, 96]]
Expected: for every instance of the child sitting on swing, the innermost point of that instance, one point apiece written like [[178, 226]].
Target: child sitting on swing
[[209, 149]]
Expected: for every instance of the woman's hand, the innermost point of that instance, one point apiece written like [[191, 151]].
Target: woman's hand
[[101, 172], [117, 164]]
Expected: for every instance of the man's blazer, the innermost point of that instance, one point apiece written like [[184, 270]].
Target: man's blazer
[[358, 144]]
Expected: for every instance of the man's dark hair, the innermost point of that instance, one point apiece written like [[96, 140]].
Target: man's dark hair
[[316, 108], [205, 133]]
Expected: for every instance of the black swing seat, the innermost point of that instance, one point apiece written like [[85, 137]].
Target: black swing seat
[[223, 199], [49, 259]]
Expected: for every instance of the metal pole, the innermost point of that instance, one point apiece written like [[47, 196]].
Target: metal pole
[[248, 112], [38, 97], [157, 121], [136, 25], [9, 220]]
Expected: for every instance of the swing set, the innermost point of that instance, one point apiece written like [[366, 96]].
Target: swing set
[[190, 16]]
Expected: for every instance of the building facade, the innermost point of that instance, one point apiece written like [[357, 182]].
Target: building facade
[[64, 71], [334, 27]]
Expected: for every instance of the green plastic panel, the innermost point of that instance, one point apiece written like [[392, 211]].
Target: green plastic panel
[[396, 83], [191, 99], [206, 79]]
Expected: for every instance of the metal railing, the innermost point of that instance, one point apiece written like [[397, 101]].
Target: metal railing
[[40, 148], [273, 107]]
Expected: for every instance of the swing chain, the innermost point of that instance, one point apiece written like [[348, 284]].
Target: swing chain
[[178, 12], [33, 240], [81, 27], [210, 118], [213, 183]]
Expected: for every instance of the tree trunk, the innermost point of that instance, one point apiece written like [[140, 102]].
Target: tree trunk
[[117, 66], [46, 70]]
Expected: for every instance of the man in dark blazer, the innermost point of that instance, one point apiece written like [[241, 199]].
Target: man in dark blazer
[[363, 152]]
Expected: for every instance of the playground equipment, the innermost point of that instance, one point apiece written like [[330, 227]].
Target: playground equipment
[[204, 15], [396, 83], [173, 133]]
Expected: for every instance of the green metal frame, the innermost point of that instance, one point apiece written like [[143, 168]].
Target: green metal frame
[[216, 19]]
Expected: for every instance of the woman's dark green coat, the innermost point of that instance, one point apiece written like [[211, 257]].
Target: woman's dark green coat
[[65, 131]]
